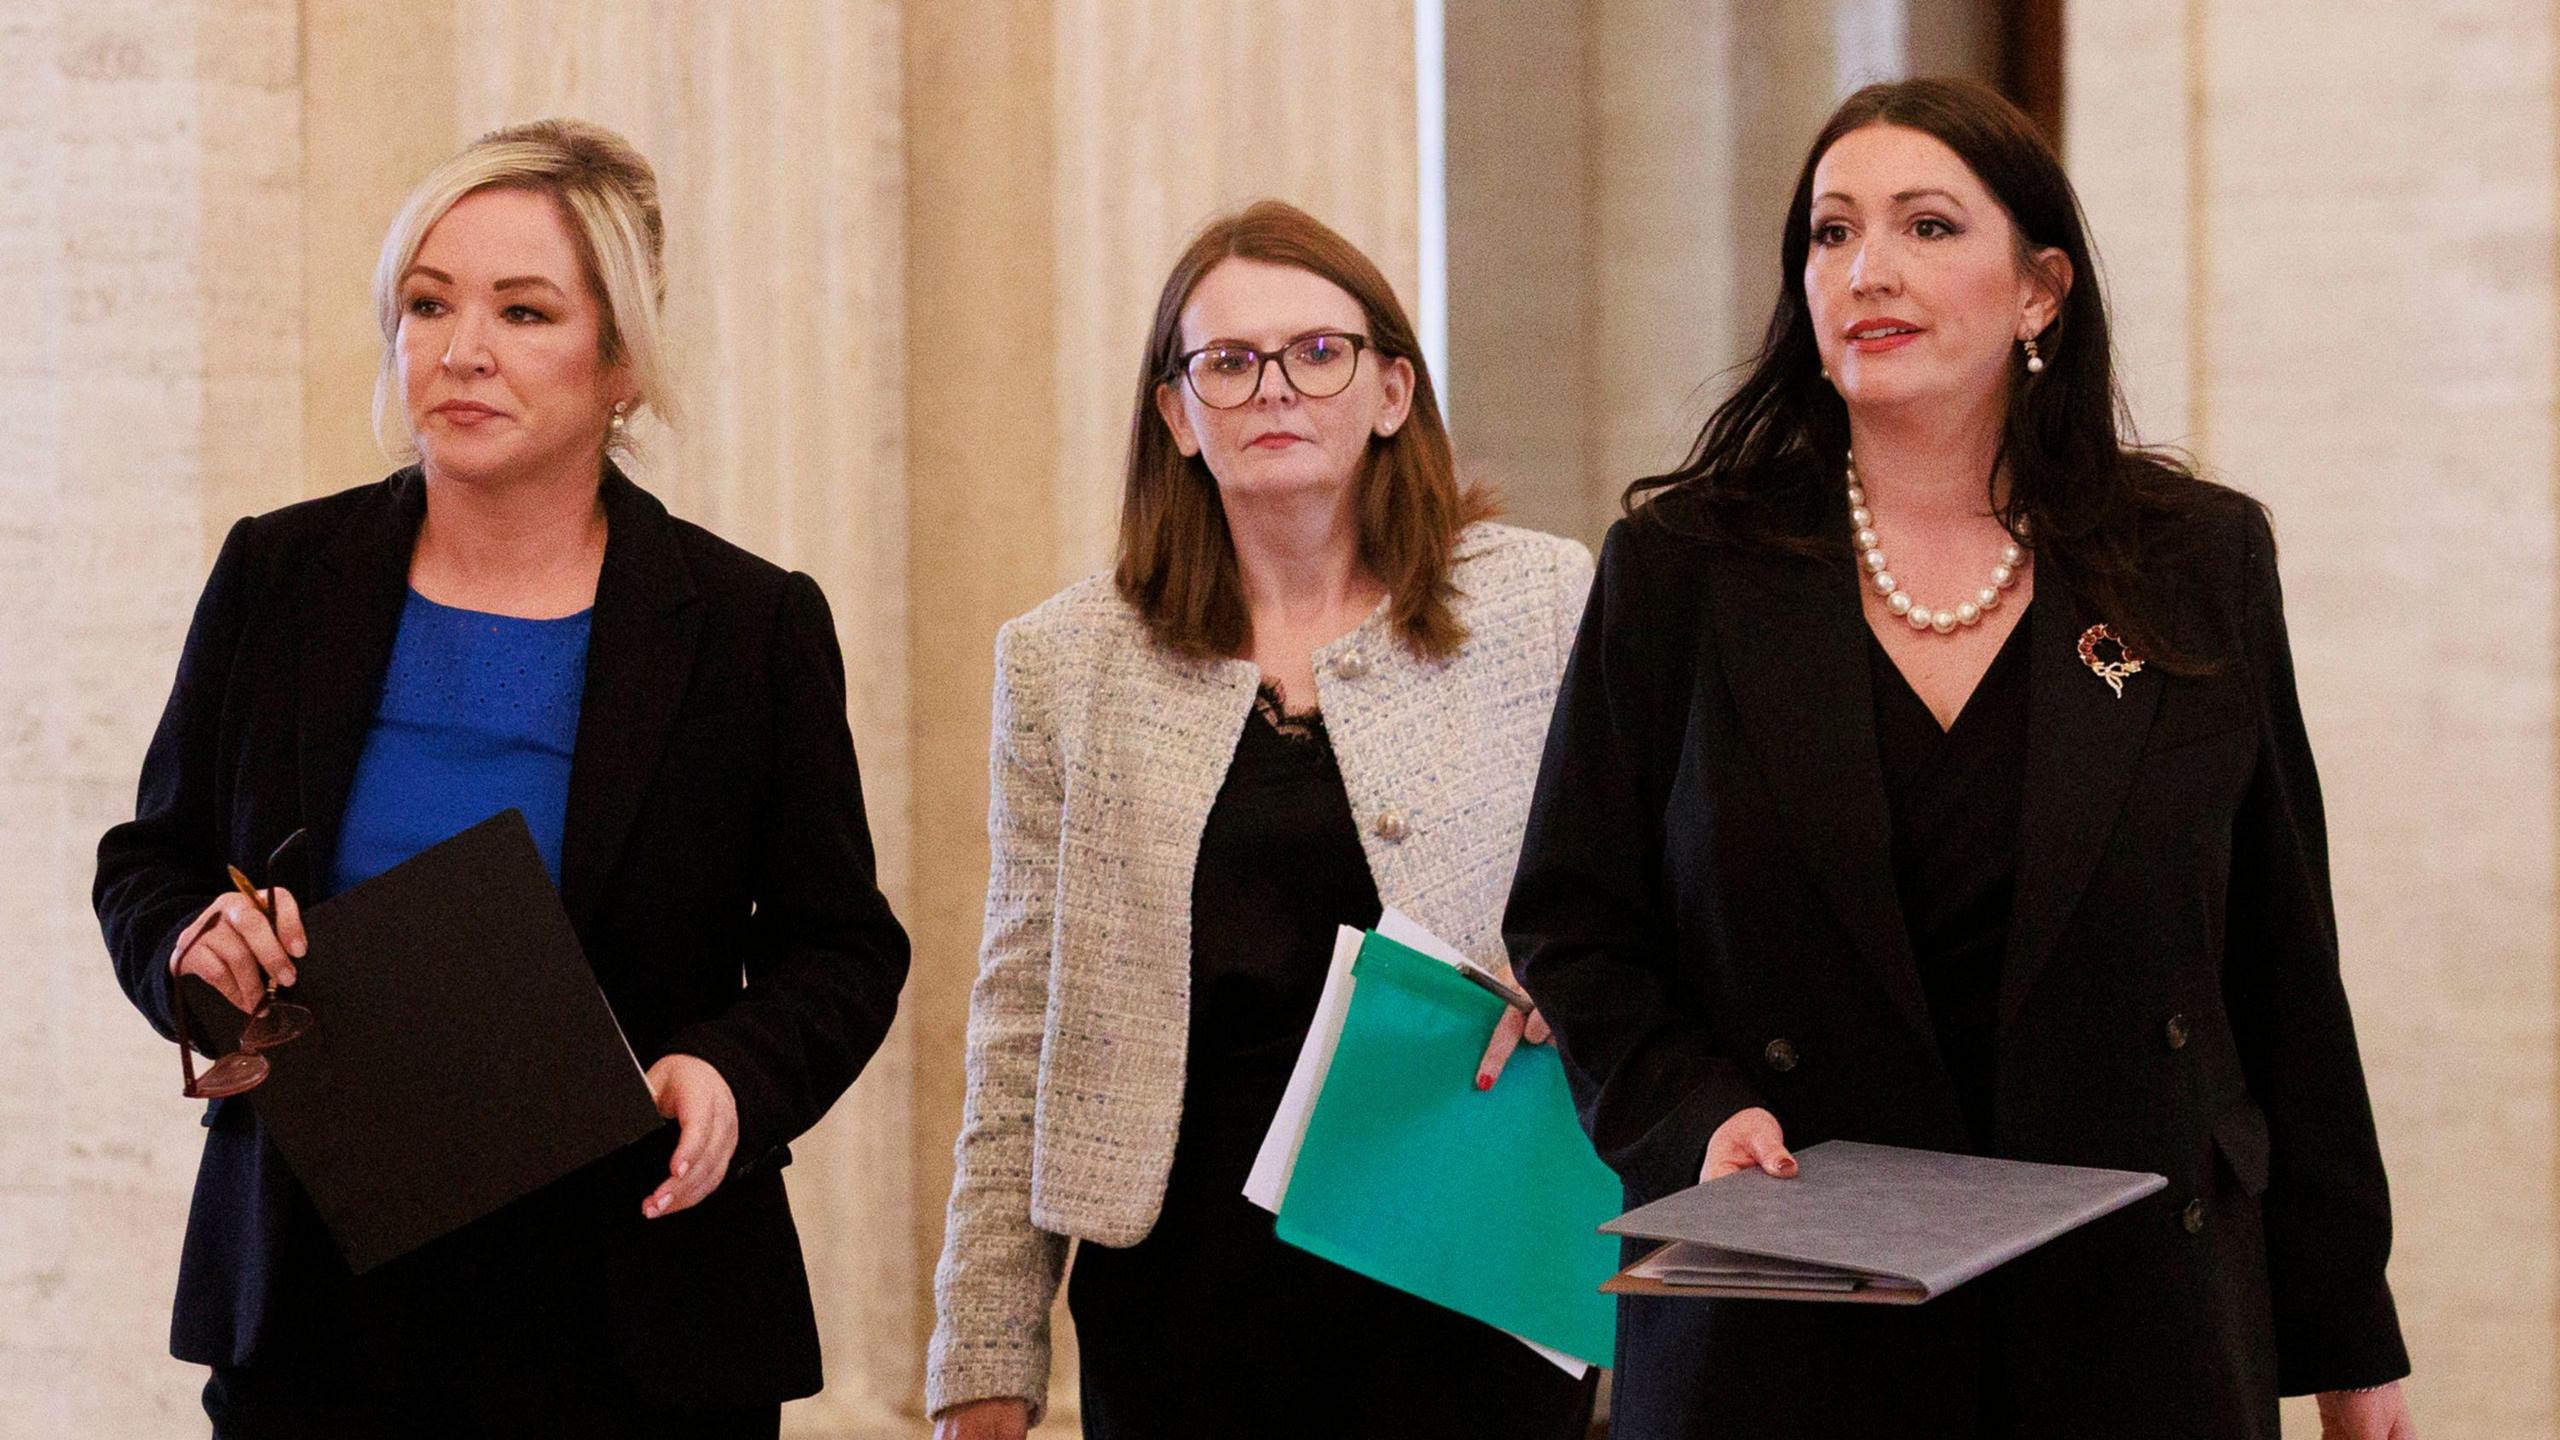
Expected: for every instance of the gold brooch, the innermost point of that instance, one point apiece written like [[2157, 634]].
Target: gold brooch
[[2115, 672]]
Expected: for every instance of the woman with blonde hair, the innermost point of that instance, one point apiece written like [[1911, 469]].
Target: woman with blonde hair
[[1314, 683], [511, 623]]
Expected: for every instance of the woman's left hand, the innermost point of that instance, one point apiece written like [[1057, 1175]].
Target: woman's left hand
[[2381, 1414], [1514, 1027], [691, 1093]]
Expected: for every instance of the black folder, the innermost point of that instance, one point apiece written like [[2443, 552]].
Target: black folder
[[461, 1055]]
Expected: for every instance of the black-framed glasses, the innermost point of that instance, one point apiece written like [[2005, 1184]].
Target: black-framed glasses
[[272, 1024], [1316, 366]]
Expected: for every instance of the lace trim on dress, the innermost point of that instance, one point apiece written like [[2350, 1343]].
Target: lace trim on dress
[[1306, 727]]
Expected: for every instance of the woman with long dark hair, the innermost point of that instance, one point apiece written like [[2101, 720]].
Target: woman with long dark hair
[[1929, 772]]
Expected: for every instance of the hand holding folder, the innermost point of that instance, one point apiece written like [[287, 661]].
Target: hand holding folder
[[690, 1091], [462, 1054], [1750, 1140], [1388, 1160], [1873, 1224]]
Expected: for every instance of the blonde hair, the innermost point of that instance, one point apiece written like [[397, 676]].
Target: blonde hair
[[608, 197]]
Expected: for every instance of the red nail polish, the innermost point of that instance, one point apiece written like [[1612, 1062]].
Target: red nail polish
[[1484, 1082]]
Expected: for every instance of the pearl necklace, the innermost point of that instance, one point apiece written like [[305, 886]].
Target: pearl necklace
[[1862, 527]]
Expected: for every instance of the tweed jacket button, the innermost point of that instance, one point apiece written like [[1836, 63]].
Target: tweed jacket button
[[2193, 1217], [1781, 1056], [1351, 665], [1391, 826], [2175, 1032]]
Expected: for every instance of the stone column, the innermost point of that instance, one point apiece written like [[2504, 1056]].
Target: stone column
[[150, 350]]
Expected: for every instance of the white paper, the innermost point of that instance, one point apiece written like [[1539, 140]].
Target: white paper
[[1268, 1182], [1408, 932]]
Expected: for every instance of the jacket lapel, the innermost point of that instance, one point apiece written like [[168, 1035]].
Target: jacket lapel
[[353, 610], [640, 646], [2083, 745], [1798, 671]]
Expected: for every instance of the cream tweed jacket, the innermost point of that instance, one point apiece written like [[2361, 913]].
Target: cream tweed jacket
[[1105, 756]]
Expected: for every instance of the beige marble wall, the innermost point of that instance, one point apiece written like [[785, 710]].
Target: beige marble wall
[[1670, 268], [1523, 383], [2331, 232], [153, 373]]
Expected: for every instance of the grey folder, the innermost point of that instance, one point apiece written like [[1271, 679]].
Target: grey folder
[[1874, 1224]]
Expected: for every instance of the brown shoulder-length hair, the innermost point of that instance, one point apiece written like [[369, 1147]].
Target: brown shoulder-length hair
[[1177, 563]]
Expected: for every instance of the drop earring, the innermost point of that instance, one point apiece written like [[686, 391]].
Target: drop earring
[[2035, 362], [619, 417]]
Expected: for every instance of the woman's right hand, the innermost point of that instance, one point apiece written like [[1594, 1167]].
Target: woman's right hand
[[1750, 1138], [233, 948], [1002, 1418]]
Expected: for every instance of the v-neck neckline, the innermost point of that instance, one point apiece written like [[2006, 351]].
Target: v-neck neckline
[[2012, 646]]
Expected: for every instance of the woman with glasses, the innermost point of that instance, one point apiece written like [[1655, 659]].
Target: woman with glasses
[[1314, 683], [2008, 845], [512, 624]]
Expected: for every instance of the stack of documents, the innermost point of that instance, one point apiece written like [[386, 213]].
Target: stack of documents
[[1386, 1159], [1874, 1224]]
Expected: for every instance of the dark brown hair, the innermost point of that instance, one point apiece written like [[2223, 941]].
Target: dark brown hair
[[1768, 463], [1177, 563]]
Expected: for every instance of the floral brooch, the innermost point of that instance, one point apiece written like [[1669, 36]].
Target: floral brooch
[[2115, 672]]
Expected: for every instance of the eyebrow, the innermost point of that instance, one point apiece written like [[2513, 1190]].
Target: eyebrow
[[1903, 197], [1229, 340], [512, 282]]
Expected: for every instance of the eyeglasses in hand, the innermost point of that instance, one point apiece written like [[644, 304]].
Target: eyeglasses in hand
[[272, 1024]]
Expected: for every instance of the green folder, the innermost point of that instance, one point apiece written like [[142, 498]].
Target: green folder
[[1488, 1202]]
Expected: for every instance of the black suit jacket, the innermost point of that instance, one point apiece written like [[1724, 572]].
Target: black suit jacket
[[716, 863], [1708, 873]]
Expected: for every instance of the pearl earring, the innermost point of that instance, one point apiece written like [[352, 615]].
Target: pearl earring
[[2035, 362], [616, 423]]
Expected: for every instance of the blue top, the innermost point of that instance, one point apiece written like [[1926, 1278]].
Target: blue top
[[479, 713]]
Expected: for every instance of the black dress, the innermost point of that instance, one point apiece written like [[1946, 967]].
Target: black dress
[[1211, 1325], [1954, 795]]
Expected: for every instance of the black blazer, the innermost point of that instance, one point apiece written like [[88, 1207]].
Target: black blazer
[[715, 826], [1706, 913]]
